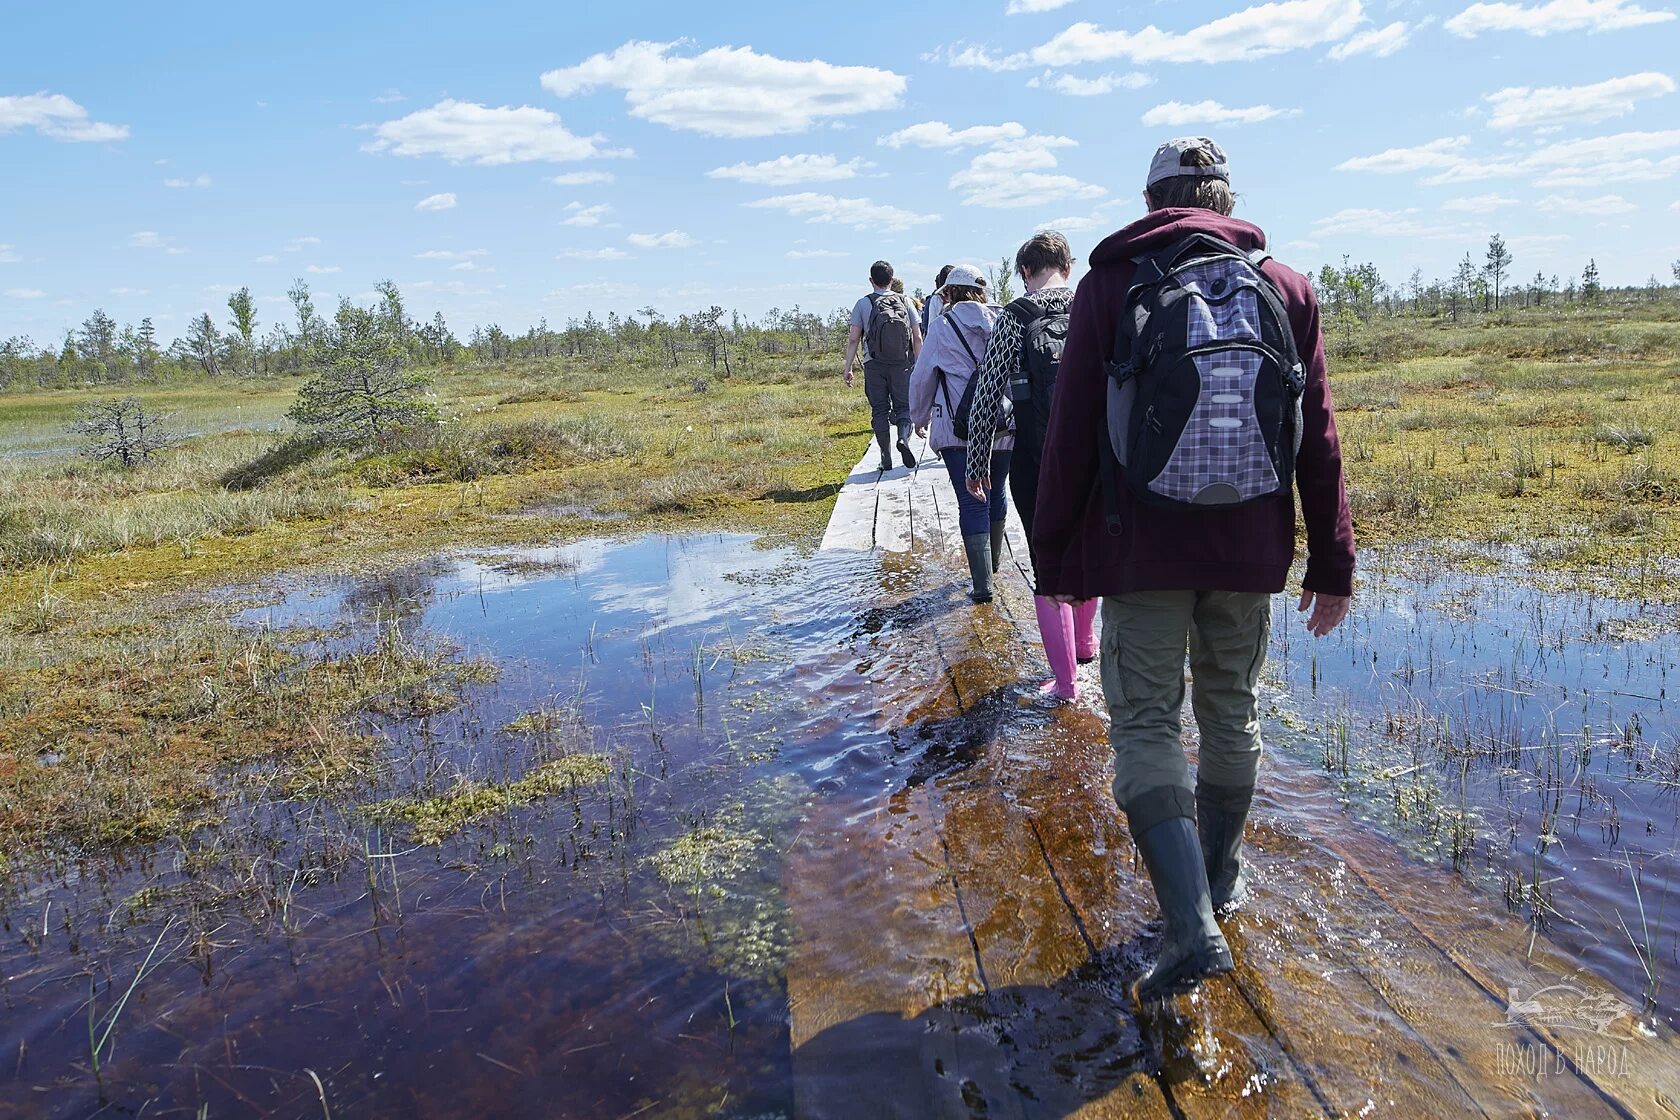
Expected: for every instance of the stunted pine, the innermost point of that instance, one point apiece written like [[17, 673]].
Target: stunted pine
[[363, 393], [121, 429]]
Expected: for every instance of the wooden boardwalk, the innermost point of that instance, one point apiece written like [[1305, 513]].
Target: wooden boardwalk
[[961, 940]]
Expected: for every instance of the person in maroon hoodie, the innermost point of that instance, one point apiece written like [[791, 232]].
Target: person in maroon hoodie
[[1173, 578]]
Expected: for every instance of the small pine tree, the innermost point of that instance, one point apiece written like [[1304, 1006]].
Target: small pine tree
[[363, 394], [120, 429], [1498, 264], [1003, 288], [1590, 287]]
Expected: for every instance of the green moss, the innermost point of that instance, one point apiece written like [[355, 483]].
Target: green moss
[[435, 819], [698, 859]]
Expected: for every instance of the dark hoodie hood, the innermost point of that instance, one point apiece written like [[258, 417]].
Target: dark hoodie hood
[[1158, 229]]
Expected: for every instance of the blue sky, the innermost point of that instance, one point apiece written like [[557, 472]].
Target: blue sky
[[503, 162]]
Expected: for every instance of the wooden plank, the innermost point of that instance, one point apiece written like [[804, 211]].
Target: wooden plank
[[852, 524]]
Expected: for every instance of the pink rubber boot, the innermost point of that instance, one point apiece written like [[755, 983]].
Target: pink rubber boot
[[1084, 635], [1055, 625]]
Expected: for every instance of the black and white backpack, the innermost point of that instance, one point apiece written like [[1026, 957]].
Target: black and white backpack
[[1033, 384], [1204, 389]]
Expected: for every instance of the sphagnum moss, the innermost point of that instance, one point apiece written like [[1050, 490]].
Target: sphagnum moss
[[435, 819]]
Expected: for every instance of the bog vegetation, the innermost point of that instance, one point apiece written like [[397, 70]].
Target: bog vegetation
[[1502, 422]]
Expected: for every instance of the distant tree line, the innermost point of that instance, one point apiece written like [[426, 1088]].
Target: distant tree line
[[99, 352], [102, 353]]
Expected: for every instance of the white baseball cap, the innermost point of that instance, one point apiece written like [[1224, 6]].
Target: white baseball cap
[[965, 275]]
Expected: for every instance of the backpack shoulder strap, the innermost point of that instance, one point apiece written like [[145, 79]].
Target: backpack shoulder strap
[[1025, 309], [958, 331]]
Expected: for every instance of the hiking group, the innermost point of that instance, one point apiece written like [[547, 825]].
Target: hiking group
[[1154, 428]]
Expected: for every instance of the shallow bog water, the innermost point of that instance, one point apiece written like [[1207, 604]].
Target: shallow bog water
[[840, 837], [1528, 737]]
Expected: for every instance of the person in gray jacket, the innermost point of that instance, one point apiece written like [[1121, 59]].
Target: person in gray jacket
[[948, 361]]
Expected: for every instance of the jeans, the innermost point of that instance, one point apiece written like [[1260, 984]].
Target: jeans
[[974, 515], [1143, 644]]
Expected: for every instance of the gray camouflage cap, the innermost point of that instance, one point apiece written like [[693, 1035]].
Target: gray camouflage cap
[[1169, 160]]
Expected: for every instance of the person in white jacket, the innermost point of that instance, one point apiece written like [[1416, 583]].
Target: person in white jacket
[[949, 360]]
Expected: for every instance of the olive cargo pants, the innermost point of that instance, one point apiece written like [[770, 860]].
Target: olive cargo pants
[[1144, 637]]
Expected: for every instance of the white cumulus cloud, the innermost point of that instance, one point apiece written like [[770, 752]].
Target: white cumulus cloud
[[814, 254], [466, 132], [444, 201], [859, 213], [56, 117], [786, 170], [8, 254], [24, 293], [729, 91], [582, 215], [1367, 222], [1603, 205], [1016, 173], [1379, 42], [675, 239], [1255, 32], [200, 181], [322, 270], [1554, 16], [1522, 107], [938, 134], [151, 239], [1174, 114], [594, 255], [451, 254], [1028, 7], [1622, 157], [581, 178], [1091, 87], [1478, 203]]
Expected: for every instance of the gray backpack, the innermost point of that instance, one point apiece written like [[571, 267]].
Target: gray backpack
[[1204, 389], [888, 331]]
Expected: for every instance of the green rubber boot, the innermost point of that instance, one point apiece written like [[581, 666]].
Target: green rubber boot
[[1221, 813], [978, 550], [999, 530], [1192, 948]]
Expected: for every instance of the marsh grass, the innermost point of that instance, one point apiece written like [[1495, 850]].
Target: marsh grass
[[116, 730], [433, 820], [1559, 445]]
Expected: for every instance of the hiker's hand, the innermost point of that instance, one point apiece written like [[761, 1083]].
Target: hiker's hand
[[848, 379], [978, 486], [1327, 611], [1070, 600], [921, 430]]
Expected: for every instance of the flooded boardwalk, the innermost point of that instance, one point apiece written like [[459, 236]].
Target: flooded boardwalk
[[962, 936]]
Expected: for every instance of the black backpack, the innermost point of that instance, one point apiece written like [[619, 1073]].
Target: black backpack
[[888, 331], [1204, 390], [1043, 334], [965, 406]]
